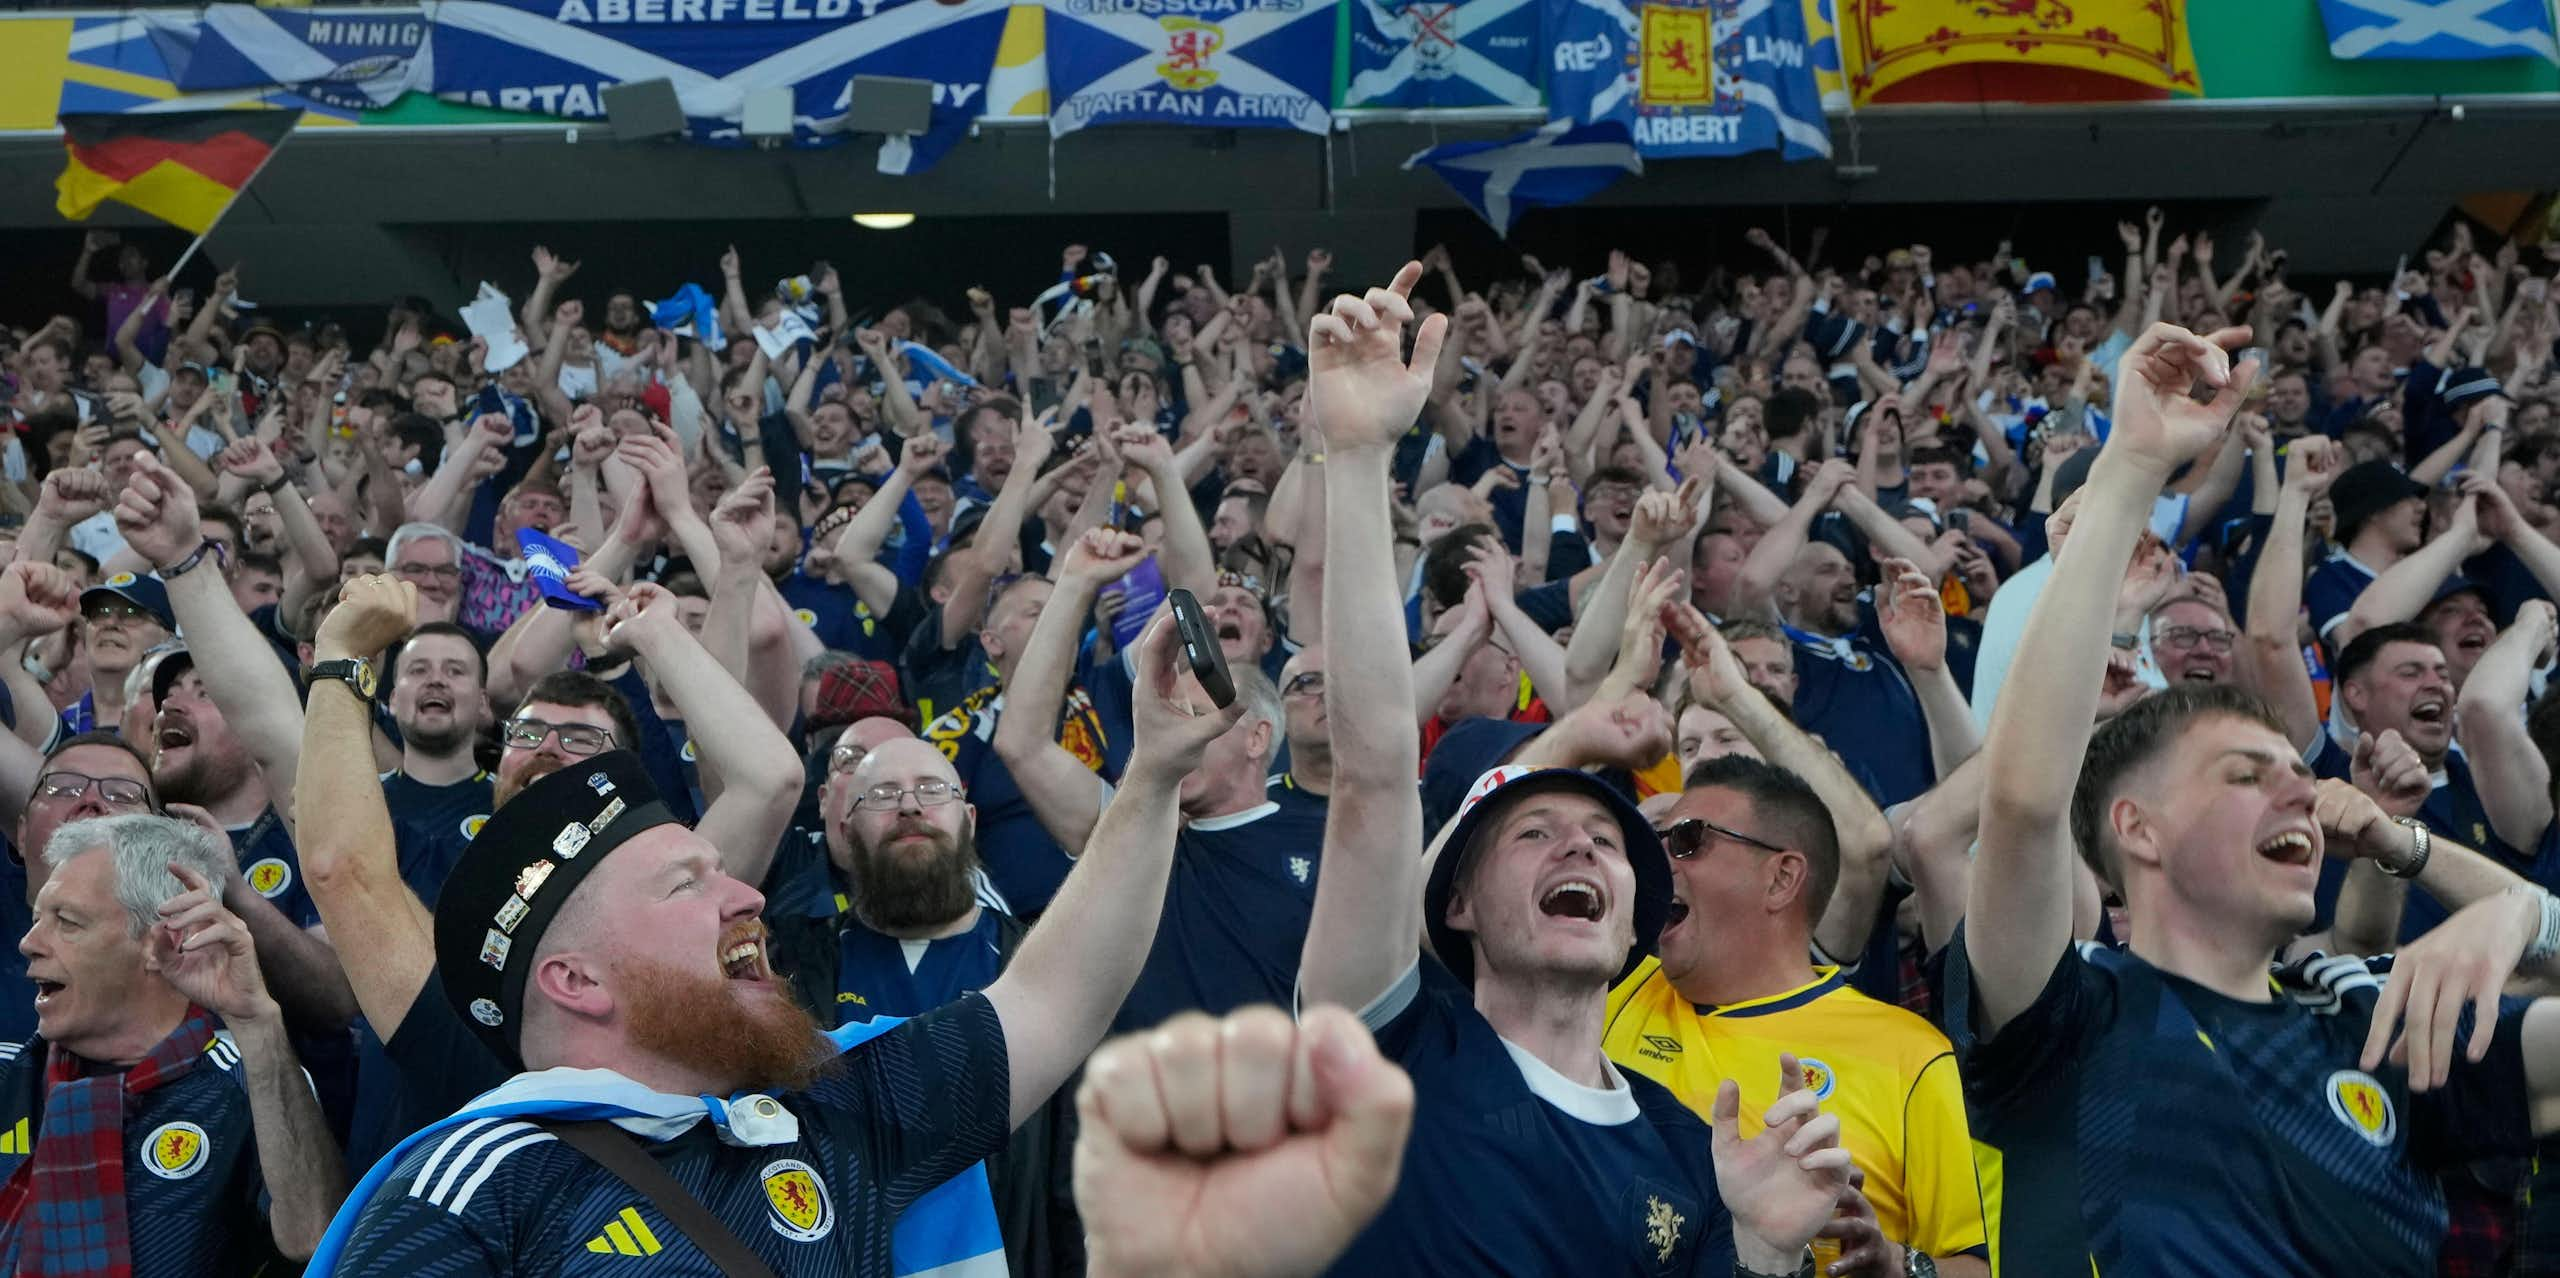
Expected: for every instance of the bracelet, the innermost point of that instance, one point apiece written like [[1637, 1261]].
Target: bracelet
[[1540, 481], [2548, 933], [2421, 846], [186, 565], [1804, 1269], [2126, 640]]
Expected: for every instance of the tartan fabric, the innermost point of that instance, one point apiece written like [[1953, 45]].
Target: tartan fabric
[[68, 1201], [2481, 1220]]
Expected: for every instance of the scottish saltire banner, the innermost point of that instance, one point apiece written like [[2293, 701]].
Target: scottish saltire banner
[[2439, 29], [556, 57], [1693, 78], [1559, 164], [352, 58], [1443, 53], [1225, 64], [2141, 42], [1823, 46]]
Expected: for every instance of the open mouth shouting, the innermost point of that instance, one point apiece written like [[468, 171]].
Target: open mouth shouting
[[743, 956], [2295, 847], [1578, 898]]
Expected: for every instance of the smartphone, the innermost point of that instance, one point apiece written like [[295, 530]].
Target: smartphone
[[1200, 648], [1961, 521], [2097, 267]]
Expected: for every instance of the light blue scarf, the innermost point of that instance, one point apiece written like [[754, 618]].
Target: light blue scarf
[[950, 1232]]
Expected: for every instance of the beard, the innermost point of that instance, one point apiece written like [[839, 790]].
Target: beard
[[896, 891], [708, 1025], [438, 741], [534, 770], [203, 778]]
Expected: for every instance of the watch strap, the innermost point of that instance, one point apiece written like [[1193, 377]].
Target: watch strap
[[2421, 846], [351, 671]]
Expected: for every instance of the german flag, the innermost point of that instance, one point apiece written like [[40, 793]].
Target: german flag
[[183, 167]]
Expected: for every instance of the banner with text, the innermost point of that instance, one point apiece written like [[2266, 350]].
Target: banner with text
[[555, 57], [1688, 77], [1227, 64], [1438, 53]]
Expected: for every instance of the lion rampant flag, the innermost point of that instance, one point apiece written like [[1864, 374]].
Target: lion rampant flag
[[2025, 50], [183, 167]]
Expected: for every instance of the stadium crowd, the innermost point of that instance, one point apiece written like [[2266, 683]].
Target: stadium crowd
[[1691, 818]]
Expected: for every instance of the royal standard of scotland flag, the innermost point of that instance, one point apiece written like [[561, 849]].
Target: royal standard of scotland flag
[[352, 58], [1435, 53], [2439, 29], [556, 57], [1689, 77], [1561, 163], [1225, 64]]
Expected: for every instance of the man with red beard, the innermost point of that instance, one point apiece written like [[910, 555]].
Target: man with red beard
[[591, 938]]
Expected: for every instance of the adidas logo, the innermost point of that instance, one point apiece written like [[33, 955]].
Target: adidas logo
[[17, 1140], [628, 1235]]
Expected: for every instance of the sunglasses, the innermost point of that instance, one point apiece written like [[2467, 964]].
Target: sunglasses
[[1689, 836]]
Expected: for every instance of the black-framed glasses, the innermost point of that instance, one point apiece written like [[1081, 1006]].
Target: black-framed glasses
[[2190, 637], [1689, 836], [576, 738], [1307, 684], [115, 792], [441, 572], [929, 794]]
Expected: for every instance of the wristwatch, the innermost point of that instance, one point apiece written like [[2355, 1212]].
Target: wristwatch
[[1917, 1264], [355, 672], [2421, 845]]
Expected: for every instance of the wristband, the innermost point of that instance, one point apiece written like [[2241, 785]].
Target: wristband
[[2421, 846], [270, 487], [1565, 523], [2546, 938], [2126, 640], [187, 565]]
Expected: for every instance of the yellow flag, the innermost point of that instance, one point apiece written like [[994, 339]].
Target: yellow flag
[[2140, 42]]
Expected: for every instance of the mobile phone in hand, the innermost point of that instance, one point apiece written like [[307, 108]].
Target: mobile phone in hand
[[1200, 648], [1961, 521]]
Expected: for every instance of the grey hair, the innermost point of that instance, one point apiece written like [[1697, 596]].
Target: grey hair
[[417, 531], [143, 846], [1261, 701]]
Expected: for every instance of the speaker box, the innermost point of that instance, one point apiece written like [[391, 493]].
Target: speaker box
[[889, 104], [645, 109]]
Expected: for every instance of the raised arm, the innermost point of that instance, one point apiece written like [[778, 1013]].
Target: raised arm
[[731, 732], [1063, 793], [748, 630], [2513, 780], [1367, 922], [1075, 969], [1187, 559], [1664, 524], [1775, 553], [205, 952], [2020, 904], [2402, 590], [157, 516], [351, 861], [2273, 635]]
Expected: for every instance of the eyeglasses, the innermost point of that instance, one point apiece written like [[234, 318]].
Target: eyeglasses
[[929, 794], [1689, 836], [1310, 684], [111, 610], [115, 792], [2189, 637], [441, 572], [576, 738]]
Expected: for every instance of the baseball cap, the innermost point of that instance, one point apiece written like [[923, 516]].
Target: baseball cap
[[2365, 490], [1486, 800], [2041, 280], [144, 592], [512, 880], [2457, 387]]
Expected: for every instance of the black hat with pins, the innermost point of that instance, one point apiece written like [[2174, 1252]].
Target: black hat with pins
[[519, 871]]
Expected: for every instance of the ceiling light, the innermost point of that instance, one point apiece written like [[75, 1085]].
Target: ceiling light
[[884, 221]]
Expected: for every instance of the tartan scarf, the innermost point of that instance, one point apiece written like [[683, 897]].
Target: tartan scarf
[[74, 1184]]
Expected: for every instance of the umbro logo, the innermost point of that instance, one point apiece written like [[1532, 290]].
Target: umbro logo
[[627, 1235], [1662, 1045]]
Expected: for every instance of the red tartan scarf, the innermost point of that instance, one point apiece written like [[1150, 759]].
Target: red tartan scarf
[[67, 1202]]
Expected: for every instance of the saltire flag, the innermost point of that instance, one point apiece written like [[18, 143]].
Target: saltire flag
[[1560, 163], [1229, 64], [2444, 29], [1689, 77], [556, 57], [1443, 53], [182, 167], [354, 59]]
